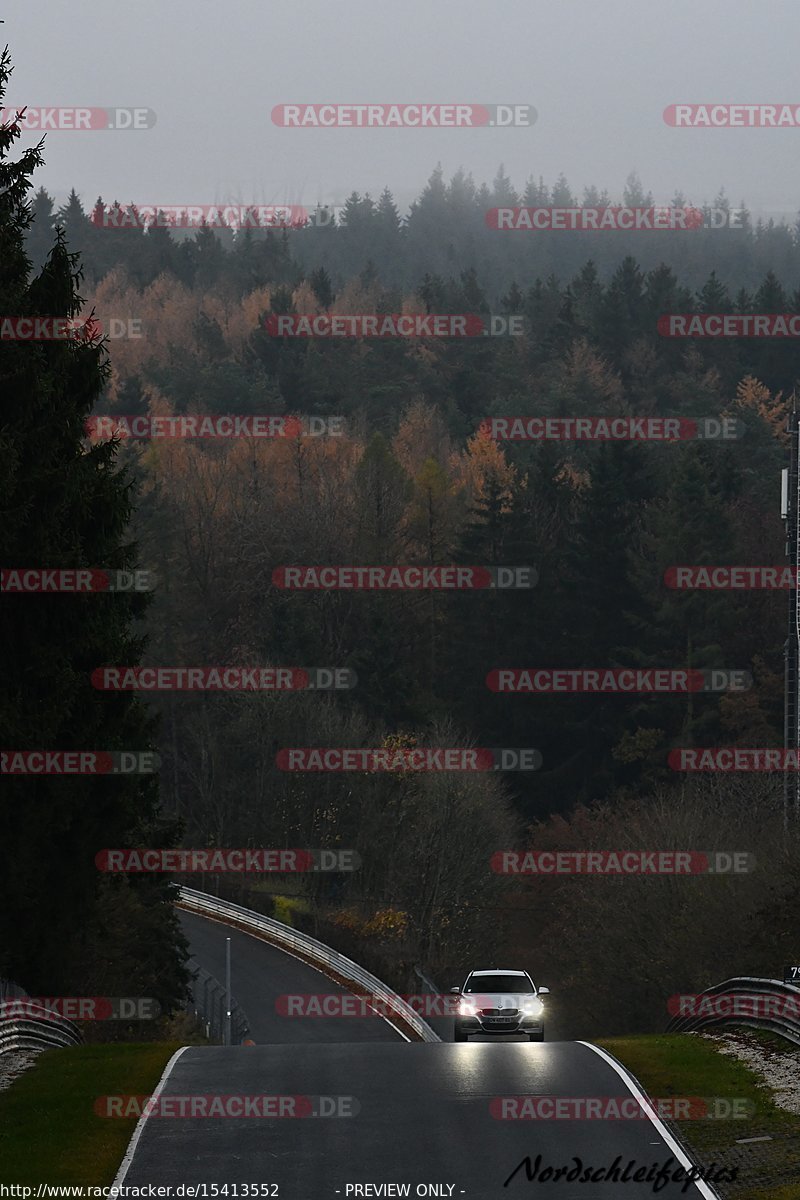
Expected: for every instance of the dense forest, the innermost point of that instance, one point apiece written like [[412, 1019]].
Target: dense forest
[[414, 478]]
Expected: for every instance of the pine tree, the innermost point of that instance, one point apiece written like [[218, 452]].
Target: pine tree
[[621, 317], [562, 196], [601, 609], [158, 253], [320, 281], [634, 195], [39, 240], [504, 193], [536, 194], [388, 231], [691, 527], [713, 296], [79, 231], [65, 505]]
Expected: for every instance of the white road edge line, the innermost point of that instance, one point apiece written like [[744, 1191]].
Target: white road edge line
[[124, 1166], [276, 946], [674, 1146]]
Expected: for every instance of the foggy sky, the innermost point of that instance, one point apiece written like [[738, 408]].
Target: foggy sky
[[598, 73]]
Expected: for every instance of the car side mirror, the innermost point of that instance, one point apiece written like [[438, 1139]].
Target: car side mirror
[[455, 991], [544, 991]]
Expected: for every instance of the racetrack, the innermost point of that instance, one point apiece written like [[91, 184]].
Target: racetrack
[[420, 1115], [423, 1118]]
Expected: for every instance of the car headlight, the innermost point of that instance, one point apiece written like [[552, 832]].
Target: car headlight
[[467, 1009], [533, 1008]]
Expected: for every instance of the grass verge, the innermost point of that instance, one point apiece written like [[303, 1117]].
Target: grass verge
[[684, 1065], [49, 1131]]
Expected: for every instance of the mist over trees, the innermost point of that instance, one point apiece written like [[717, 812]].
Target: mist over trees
[[445, 231]]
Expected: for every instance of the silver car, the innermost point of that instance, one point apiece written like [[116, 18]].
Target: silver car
[[497, 1001]]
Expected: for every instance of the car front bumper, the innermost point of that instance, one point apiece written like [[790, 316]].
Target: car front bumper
[[499, 1025]]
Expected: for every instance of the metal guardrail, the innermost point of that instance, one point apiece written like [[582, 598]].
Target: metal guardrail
[[32, 1032], [785, 1024], [307, 947], [208, 1003]]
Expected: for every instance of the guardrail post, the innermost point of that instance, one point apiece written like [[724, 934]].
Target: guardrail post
[[227, 991]]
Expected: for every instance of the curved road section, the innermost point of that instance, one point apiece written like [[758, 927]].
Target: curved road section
[[261, 973], [344, 1108]]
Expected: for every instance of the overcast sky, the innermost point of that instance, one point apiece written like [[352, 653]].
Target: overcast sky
[[598, 72]]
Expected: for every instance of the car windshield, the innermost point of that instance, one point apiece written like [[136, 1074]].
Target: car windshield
[[498, 983]]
